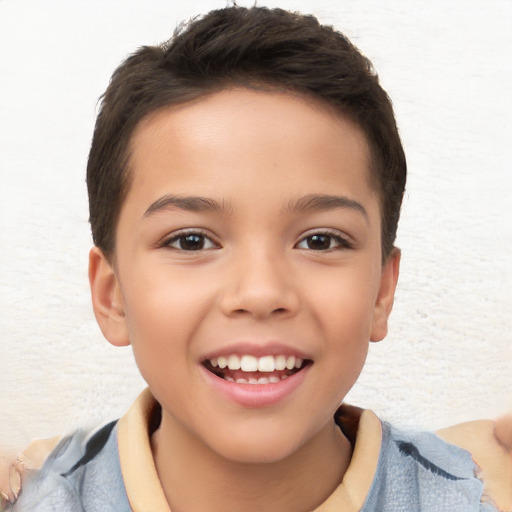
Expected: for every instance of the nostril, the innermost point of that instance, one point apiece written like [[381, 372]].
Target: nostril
[[241, 311]]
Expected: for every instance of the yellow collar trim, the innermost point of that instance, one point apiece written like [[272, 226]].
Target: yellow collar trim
[[143, 485]]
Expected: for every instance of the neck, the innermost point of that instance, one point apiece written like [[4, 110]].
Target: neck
[[195, 478]]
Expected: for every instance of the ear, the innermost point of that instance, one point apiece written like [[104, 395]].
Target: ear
[[107, 299], [386, 296]]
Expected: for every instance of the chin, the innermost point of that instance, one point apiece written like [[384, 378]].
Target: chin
[[256, 455], [256, 447]]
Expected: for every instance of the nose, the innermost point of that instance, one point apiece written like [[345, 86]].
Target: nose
[[260, 285]]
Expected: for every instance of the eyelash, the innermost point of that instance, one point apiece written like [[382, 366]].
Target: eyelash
[[341, 241], [202, 238], [180, 236]]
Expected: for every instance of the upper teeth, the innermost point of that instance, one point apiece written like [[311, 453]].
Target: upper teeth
[[248, 363]]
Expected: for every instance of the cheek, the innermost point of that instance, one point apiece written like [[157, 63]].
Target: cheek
[[163, 311], [343, 308], [344, 305]]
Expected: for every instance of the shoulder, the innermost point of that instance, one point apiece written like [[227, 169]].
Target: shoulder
[[422, 472], [83, 470], [490, 446]]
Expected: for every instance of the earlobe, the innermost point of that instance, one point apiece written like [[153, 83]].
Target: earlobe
[[386, 296], [107, 299]]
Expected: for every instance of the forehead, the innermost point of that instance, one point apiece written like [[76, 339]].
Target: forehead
[[244, 141]]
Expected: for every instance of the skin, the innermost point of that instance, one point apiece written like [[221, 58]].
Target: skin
[[259, 279]]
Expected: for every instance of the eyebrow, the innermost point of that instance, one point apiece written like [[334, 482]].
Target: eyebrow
[[304, 204], [188, 203], [321, 202]]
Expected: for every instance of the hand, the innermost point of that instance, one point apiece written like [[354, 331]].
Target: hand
[[503, 432], [14, 469], [11, 475]]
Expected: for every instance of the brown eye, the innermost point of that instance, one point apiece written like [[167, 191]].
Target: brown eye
[[323, 242], [319, 242], [192, 241]]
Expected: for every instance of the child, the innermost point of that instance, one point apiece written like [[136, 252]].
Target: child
[[245, 182]]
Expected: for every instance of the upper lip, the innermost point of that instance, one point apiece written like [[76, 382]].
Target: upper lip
[[256, 350]]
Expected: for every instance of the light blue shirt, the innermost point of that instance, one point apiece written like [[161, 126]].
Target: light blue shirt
[[416, 472]]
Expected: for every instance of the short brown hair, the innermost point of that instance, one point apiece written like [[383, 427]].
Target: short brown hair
[[249, 47]]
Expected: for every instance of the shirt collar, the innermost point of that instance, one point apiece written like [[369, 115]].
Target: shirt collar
[[362, 427]]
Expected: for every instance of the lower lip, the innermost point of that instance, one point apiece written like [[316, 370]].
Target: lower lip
[[256, 395]]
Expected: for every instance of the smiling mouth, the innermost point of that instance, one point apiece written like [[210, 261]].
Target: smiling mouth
[[248, 369]]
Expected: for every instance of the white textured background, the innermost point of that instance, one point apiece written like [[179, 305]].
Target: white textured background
[[447, 66]]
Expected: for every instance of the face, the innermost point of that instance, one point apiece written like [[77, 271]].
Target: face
[[248, 275]]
